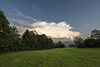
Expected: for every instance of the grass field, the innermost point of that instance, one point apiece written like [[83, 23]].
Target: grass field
[[61, 57]]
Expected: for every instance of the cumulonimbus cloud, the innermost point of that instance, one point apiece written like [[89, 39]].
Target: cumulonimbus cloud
[[57, 31], [54, 30]]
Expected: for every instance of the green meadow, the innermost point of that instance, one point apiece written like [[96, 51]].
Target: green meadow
[[60, 57]]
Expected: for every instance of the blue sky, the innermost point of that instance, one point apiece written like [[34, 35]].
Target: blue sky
[[82, 16]]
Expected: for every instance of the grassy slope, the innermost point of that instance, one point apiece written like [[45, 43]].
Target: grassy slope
[[66, 57]]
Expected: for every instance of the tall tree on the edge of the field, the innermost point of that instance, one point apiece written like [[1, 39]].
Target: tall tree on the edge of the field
[[59, 45], [79, 42], [5, 30], [16, 45], [26, 39], [50, 43], [42, 41], [95, 34], [33, 44]]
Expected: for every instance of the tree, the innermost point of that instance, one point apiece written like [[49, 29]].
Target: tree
[[79, 41], [59, 45], [33, 41], [95, 34], [51, 44], [16, 40], [5, 36], [42, 41], [9, 36], [88, 43], [26, 40]]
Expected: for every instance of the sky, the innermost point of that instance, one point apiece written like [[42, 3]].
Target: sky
[[59, 19]]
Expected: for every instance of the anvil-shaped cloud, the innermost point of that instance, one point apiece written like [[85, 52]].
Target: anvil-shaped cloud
[[54, 30]]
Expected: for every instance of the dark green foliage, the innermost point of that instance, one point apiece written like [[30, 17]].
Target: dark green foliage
[[95, 34], [50, 43], [15, 38], [5, 33], [10, 41], [78, 40], [90, 42], [9, 37], [45, 42], [26, 39], [33, 41], [59, 45]]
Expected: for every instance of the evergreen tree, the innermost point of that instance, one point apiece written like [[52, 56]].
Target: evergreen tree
[[16, 40], [26, 39], [59, 45], [33, 41], [42, 41], [50, 43], [5, 36]]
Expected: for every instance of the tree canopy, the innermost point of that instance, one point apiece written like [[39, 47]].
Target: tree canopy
[[59, 45], [92, 41], [10, 39]]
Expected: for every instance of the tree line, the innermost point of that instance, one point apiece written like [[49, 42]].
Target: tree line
[[59, 45], [10, 38], [90, 42]]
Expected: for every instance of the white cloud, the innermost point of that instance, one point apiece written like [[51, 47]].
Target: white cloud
[[55, 30]]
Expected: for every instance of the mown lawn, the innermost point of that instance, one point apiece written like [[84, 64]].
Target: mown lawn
[[61, 57]]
